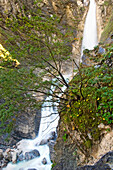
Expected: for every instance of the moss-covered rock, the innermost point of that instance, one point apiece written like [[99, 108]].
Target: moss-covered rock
[[107, 34]]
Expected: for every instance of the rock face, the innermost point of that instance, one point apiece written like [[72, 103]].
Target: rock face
[[105, 163], [104, 10], [27, 125], [65, 150], [67, 156]]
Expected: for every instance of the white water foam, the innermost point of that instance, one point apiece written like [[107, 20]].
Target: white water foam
[[48, 124], [90, 29]]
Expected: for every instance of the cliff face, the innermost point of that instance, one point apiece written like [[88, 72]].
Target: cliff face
[[104, 11]]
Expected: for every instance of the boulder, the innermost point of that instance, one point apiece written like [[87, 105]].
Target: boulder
[[101, 50], [53, 136], [44, 161], [21, 157], [43, 142], [3, 163], [31, 155], [14, 157], [7, 154]]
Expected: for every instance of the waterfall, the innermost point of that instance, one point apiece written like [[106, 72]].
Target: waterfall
[[48, 125], [90, 29]]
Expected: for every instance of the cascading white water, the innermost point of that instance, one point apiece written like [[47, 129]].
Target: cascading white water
[[48, 124], [49, 114], [90, 29]]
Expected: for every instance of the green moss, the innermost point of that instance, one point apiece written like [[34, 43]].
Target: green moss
[[108, 29], [106, 3], [90, 99], [88, 143]]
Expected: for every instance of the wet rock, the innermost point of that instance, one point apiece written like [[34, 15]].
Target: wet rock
[[7, 154], [44, 161], [53, 136], [85, 60], [28, 156], [35, 153], [1, 154], [51, 144], [21, 157], [14, 157], [3, 162], [43, 142], [31, 155]]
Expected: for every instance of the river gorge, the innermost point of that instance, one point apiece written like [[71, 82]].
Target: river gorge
[[35, 154]]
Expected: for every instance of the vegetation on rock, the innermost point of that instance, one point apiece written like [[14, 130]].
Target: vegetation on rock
[[90, 100], [108, 31]]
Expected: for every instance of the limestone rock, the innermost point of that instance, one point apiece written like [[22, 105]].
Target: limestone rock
[[27, 126]]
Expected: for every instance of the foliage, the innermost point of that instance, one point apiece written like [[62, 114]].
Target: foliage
[[37, 48], [90, 99], [108, 31], [14, 95], [6, 59]]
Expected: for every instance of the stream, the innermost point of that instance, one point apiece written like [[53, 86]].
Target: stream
[[47, 131]]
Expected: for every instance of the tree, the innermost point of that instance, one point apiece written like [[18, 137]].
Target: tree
[[90, 100], [37, 49]]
